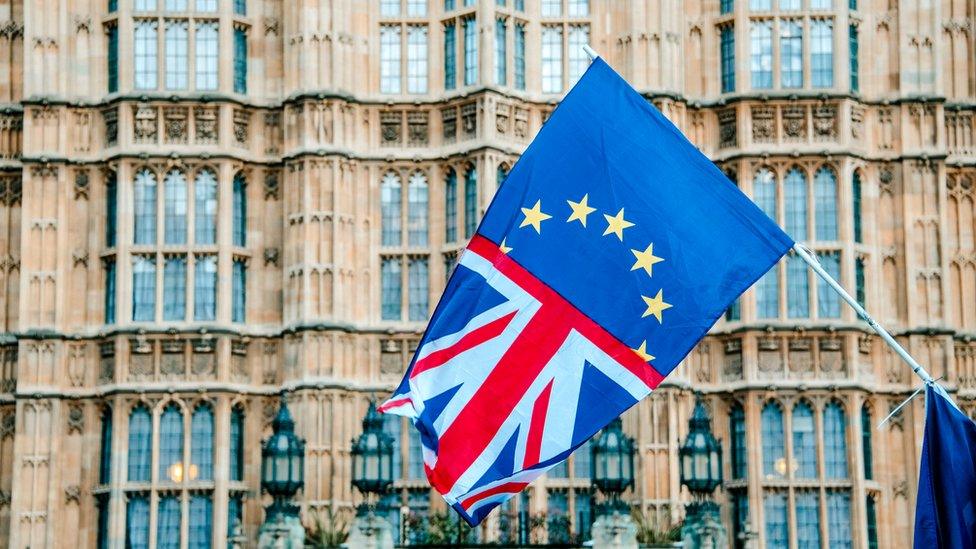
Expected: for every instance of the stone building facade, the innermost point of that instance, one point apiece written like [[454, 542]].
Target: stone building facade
[[204, 202]]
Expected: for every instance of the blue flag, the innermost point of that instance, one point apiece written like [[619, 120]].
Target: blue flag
[[609, 251], [945, 511]]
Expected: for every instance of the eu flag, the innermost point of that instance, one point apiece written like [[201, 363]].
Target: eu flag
[[608, 252], [945, 511]]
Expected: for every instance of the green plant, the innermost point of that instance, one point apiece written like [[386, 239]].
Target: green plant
[[440, 528], [650, 533], [330, 531]]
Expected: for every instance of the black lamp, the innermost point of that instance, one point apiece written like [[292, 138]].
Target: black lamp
[[612, 462], [372, 456], [282, 464], [701, 462]]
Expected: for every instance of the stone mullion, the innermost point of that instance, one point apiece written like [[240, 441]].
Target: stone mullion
[[221, 470], [120, 460], [789, 459], [855, 472], [182, 493], [153, 495], [225, 216]]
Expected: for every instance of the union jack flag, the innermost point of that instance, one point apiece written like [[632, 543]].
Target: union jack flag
[[545, 329]]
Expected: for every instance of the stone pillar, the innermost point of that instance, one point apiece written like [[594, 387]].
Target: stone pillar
[[370, 532], [614, 531], [703, 527], [286, 532]]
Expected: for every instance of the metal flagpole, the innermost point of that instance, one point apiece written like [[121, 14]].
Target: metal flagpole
[[810, 260]]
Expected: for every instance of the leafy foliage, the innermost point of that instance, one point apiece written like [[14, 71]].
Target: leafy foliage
[[328, 529]]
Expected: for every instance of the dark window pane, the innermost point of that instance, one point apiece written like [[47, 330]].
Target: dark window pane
[[205, 208], [102, 508], [237, 444], [728, 59], [174, 288], [737, 428], [111, 210], [171, 445], [137, 523], [240, 211], [144, 198], [110, 290], [113, 59], [418, 284], [201, 522], [240, 7], [105, 458], [866, 442], [470, 202], [391, 288], [168, 523], [205, 288], [240, 61], [450, 207], [450, 56], [140, 440], [202, 443], [239, 291]]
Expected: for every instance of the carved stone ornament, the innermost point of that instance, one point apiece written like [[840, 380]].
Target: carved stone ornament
[[417, 128], [145, 124], [110, 118], [271, 187], [76, 419], [825, 122], [205, 123], [763, 119], [391, 127], [271, 256], [175, 124], [72, 494], [7, 425], [726, 128], [469, 119], [795, 122], [81, 185], [241, 122]]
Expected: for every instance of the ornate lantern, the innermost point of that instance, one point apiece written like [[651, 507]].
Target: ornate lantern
[[372, 456], [612, 461], [282, 464], [701, 455]]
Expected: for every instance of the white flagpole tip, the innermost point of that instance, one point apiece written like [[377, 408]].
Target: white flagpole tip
[[590, 52]]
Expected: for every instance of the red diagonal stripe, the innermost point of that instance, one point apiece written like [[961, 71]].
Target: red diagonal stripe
[[508, 487], [533, 443], [472, 339]]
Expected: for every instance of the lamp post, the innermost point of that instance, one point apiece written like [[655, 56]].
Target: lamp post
[[282, 475], [701, 472], [372, 475], [612, 472]]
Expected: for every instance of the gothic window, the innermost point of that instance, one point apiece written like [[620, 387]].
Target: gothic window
[[501, 60], [450, 56], [795, 188], [171, 444], [240, 7], [579, 35], [789, 5], [578, 8], [389, 8], [145, 208], [470, 202], [582, 461], [140, 440], [727, 45], [179, 30], [822, 53], [520, 56], [856, 206], [760, 5], [111, 210], [839, 519], [415, 457], [767, 295], [740, 517], [110, 290], [205, 208], [552, 59], [235, 514], [417, 59], [450, 206], [137, 522], [761, 54], [808, 519], [791, 52], [852, 47], [470, 52], [773, 447], [797, 287], [821, 4], [390, 206], [726, 6], [240, 211], [174, 288], [416, 8], [417, 209], [859, 291], [168, 523], [872, 519], [207, 55], [202, 442], [500, 174], [175, 208], [205, 287], [764, 191], [112, 59], [392, 289], [551, 8], [804, 441], [777, 527], [392, 427], [105, 458], [237, 444], [418, 297], [176, 51], [143, 288], [737, 433], [240, 61], [239, 291], [825, 190], [145, 55], [201, 521], [866, 442], [835, 441], [102, 508], [828, 301]]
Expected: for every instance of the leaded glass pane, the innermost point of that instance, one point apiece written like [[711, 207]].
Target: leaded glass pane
[[112, 59], [835, 441], [791, 53], [145, 55], [808, 520], [240, 61], [470, 52], [501, 59], [235, 515], [737, 429], [207, 54], [239, 291], [110, 290], [205, 208], [839, 520], [450, 206], [852, 46], [418, 298], [202, 443], [774, 509], [760, 5], [174, 288], [552, 59], [417, 59], [105, 456], [578, 8], [201, 521], [143, 288], [137, 523], [728, 59], [171, 445], [390, 206], [205, 288], [774, 450], [389, 8], [795, 189], [104, 516], [144, 206], [417, 210], [822, 53], [240, 211], [174, 208], [804, 442], [825, 192], [797, 288], [551, 8], [470, 202], [111, 210], [450, 56], [872, 516], [761, 54], [416, 8], [177, 55], [767, 294], [415, 457], [856, 206], [866, 442], [391, 426], [828, 301], [764, 191], [390, 58], [579, 35], [237, 444], [168, 523], [520, 56], [391, 291], [140, 439]]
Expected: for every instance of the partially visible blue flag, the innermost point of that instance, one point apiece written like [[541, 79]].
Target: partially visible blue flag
[[945, 511]]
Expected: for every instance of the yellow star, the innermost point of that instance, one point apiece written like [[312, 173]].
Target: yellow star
[[616, 224], [646, 259], [655, 305], [580, 210], [505, 249], [642, 352], [534, 216]]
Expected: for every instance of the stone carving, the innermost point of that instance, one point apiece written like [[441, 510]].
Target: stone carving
[[145, 125], [469, 119], [271, 185], [521, 122], [241, 122], [205, 122], [795, 123], [76, 364], [175, 124], [271, 256], [857, 122], [732, 368], [800, 357], [417, 128], [110, 117], [503, 117], [449, 124], [79, 257], [763, 119], [322, 122], [81, 185], [269, 373], [72, 494], [4, 498], [726, 128], [900, 489], [825, 122], [10, 190], [76, 419], [831, 355], [391, 127]]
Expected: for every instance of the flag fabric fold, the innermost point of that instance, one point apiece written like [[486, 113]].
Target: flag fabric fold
[[945, 510], [606, 255]]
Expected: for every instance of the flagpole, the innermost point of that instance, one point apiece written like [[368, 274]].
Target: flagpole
[[810, 260]]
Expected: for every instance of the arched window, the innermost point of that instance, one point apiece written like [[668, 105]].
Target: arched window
[[417, 210], [175, 208], [240, 211], [774, 450], [105, 459], [144, 208], [737, 430], [201, 521], [391, 426], [111, 209], [174, 287], [171, 444], [767, 289], [390, 206], [202, 443], [137, 522], [143, 287], [205, 208], [835, 441], [205, 287], [808, 519], [450, 206], [470, 202], [866, 442], [856, 206], [237, 444], [797, 287], [795, 192], [825, 191], [140, 441], [500, 175], [764, 191], [168, 527], [804, 441]]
